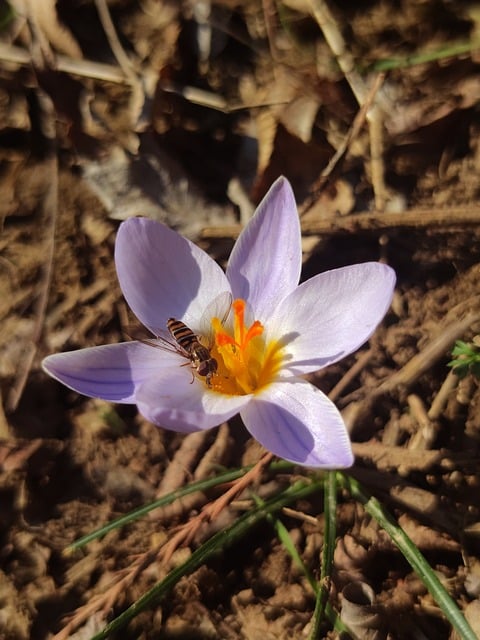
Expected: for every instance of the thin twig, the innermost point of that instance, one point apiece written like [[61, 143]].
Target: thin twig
[[182, 464], [439, 402], [465, 314], [355, 129], [84, 68], [425, 435], [432, 352], [417, 217], [328, 25], [137, 98], [114, 42], [211, 100], [351, 374], [49, 211], [213, 509], [388, 457], [105, 601]]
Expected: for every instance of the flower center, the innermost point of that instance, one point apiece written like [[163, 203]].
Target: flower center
[[246, 363]]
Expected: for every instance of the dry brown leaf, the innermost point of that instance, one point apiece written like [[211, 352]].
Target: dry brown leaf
[[266, 129], [14, 454], [14, 618], [47, 27], [299, 115], [152, 184], [286, 104]]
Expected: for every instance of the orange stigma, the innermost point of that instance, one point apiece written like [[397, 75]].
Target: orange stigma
[[245, 362]]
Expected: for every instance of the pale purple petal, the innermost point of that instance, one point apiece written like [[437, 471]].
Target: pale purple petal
[[332, 315], [112, 372], [164, 275], [176, 401], [266, 260], [297, 422]]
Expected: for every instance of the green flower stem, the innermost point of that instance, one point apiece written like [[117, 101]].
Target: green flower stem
[[216, 543], [286, 540], [330, 508], [413, 556]]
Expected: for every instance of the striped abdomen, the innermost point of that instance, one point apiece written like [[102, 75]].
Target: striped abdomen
[[188, 341], [182, 335]]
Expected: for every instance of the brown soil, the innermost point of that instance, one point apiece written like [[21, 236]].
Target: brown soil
[[78, 153]]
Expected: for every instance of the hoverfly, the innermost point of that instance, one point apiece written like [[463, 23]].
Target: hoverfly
[[189, 345], [195, 348]]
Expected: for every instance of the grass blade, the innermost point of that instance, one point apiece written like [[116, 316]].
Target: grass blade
[[216, 543], [413, 556], [330, 493], [201, 485]]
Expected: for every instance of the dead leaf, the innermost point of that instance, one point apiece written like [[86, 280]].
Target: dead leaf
[[47, 27]]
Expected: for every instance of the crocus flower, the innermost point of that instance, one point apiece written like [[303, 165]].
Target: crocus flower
[[276, 331]]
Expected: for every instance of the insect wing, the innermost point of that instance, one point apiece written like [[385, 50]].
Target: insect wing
[[164, 342], [220, 307]]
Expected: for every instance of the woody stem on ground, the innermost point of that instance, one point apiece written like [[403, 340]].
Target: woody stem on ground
[[211, 510]]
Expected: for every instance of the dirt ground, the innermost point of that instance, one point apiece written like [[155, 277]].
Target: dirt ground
[[186, 112]]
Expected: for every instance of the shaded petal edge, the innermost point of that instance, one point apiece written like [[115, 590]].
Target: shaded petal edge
[[173, 401], [297, 422], [112, 372]]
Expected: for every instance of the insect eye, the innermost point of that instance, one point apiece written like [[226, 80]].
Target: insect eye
[[202, 369]]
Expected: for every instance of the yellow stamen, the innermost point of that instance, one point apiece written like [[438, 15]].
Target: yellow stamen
[[246, 362]]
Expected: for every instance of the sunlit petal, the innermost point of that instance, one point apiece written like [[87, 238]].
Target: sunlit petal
[[266, 260], [164, 275], [332, 314]]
